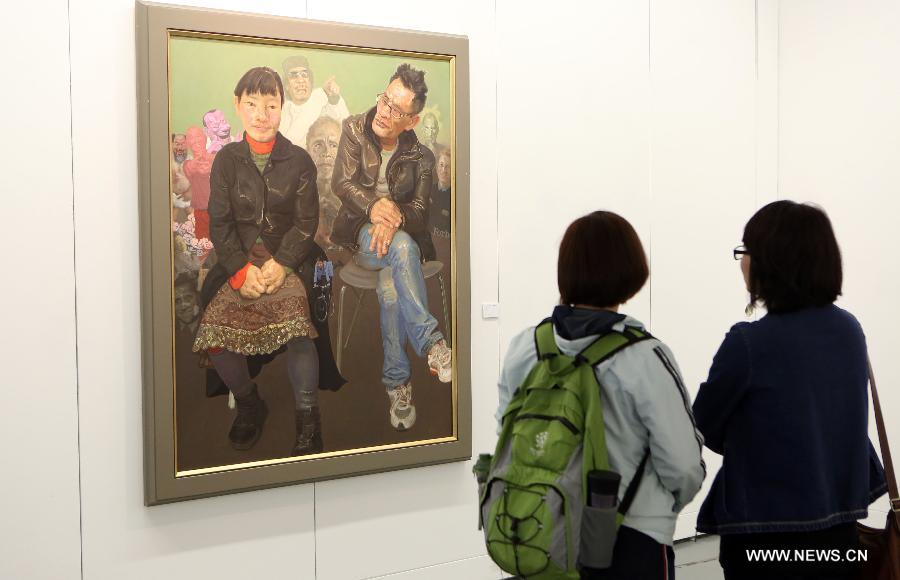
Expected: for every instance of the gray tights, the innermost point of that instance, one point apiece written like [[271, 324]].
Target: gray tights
[[303, 371]]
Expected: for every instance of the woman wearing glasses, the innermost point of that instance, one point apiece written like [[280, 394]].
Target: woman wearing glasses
[[786, 406]]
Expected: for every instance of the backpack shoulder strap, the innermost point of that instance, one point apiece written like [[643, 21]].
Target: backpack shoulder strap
[[598, 351], [609, 344], [544, 341]]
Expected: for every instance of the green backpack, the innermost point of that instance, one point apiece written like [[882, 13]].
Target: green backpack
[[533, 506]]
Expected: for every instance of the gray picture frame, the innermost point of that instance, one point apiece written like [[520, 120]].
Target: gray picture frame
[[154, 24]]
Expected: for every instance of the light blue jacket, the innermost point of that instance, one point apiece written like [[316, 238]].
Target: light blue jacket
[[645, 405]]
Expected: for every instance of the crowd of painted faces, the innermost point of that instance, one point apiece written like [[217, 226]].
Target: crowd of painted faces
[[252, 212], [311, 118], [785, 404]]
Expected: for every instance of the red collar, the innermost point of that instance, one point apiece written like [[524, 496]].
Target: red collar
[[259, 147]]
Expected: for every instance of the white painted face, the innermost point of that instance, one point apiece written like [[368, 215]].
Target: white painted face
[[322, 145], [299, 85], [430, 129]]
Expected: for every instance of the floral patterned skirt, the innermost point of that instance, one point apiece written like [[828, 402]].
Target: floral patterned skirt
[[255, 326]]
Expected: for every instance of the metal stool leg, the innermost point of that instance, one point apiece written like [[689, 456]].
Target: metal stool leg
[[359, 298], [340, 334], [447, 326]]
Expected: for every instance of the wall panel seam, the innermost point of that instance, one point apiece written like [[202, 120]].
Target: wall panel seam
[[75, 293]]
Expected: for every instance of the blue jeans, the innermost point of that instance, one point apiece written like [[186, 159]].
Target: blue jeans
[[404, 303]]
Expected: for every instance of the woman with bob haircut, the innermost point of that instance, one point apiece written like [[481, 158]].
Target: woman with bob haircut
[[264, 212], [645, 405], [786, 405]]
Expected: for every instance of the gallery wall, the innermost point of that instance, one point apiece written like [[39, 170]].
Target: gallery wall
[[839, 145], [684, 116], [39, 428], [664, 112]]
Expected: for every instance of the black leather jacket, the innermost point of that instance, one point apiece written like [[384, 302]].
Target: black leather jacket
[[281, 205], [409, 177]]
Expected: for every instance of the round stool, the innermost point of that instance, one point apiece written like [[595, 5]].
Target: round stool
[[361, 281]]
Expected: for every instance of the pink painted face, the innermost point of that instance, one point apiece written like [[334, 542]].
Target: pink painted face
[[394, 112], [196, 140], [216, 124], [260, 115]]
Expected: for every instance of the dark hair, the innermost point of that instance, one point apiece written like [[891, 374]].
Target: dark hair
[[413, 80], [601, 261], [262, 80], [795, 261]]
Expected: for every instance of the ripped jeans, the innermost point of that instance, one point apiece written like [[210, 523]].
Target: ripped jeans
[[403, 300]]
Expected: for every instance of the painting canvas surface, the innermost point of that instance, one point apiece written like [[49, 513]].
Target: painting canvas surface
[[339, 84]]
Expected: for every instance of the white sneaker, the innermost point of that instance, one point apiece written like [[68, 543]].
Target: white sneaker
[[440, 361], [403, 412]]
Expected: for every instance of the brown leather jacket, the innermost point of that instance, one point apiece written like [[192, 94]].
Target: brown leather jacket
[[281, 205], [409, 177]]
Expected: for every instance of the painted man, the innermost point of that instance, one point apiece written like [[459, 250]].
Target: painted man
[[197, 171], [181, 187], [383, 177], [429, 131], [440, 207], [306, 104], [322, 144]]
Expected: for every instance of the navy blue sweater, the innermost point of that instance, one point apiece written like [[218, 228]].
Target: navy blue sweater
[[786, 405]]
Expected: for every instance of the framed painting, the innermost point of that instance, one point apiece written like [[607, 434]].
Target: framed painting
[[304, 214]]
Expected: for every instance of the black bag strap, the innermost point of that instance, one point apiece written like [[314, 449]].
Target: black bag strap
[[893, 494], [632, 488]]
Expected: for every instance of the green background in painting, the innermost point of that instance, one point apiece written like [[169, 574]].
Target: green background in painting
[[204, 73]]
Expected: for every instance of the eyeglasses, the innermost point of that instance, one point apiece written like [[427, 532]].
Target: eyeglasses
[[739, 251], [298, 74], [381, 100]]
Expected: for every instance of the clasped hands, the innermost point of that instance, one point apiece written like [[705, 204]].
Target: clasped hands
[[266, 280], [386, 220]]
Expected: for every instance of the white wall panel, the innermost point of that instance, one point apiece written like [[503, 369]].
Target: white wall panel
[[767, 30], [839, 146], [225, 537], [703, 175], [573, 138], [412, 519], [397, 521], [39, 486]]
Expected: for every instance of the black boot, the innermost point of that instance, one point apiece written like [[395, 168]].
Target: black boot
[[309, 432], [248, 424]]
